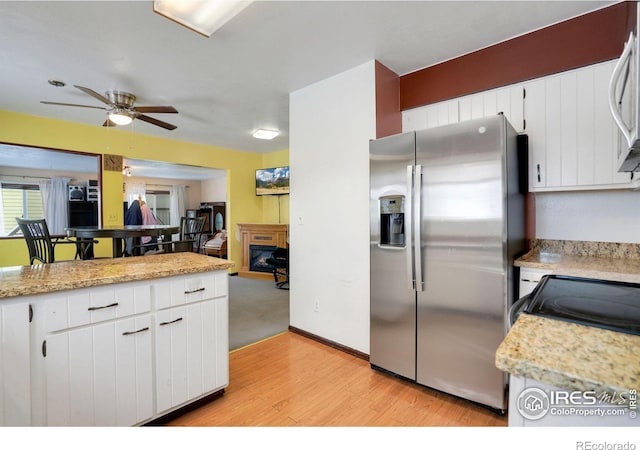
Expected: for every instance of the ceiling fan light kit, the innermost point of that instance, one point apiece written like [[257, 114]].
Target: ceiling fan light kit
[[261, 133], [202, 16], [120, 117]]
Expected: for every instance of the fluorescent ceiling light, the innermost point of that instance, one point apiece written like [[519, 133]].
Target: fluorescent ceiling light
[[120, 117], [202, 16], [265, 134]]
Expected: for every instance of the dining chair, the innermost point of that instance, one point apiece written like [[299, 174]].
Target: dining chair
[[188, 238], [190, 232], [42, 246]]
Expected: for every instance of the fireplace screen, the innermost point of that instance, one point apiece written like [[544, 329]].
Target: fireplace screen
[[258, 255]]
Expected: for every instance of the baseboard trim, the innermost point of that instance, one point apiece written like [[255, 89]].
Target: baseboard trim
[[171, 415], [330, 343]]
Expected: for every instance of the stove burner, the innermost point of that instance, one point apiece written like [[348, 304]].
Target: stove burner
[[605, 304]]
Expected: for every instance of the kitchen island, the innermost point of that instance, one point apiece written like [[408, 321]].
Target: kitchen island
[[554, 355], [118, 341]]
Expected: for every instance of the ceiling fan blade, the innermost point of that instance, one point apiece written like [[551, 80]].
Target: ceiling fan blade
[[108, 123], [155, 109], [157, 122], [94, 94], [73, 104]]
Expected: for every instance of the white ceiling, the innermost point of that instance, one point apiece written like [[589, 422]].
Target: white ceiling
[[239, 79]]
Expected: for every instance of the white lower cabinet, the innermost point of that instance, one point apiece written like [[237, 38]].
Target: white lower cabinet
[[529, 279], [15, 367], [100, 375], [191, 352], [116, 355]]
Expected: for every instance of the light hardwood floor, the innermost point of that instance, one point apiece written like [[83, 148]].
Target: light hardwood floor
[[291, 380]]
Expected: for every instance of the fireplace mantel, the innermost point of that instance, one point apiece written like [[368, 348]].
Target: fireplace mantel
[[259, 234]]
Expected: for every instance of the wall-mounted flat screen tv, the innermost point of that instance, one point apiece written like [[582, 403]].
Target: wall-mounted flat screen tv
[[273, 181]]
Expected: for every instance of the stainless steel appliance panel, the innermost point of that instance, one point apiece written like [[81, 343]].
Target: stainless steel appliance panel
[[624, 103], [392, 304], [461, 306]]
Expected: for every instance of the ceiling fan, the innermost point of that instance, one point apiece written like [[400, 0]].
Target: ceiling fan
[[120, 109]]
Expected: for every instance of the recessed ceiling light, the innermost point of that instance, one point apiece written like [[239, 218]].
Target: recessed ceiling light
[[57, 83], [261, 133]]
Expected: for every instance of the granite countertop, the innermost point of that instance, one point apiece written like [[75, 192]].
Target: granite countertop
[[65, 275], [568, 355]]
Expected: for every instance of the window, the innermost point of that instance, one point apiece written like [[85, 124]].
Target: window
[[19, 200], [159, 202]]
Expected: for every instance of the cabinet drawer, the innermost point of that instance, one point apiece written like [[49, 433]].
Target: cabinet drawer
[[189, 288], [529, 279], [93, 305]]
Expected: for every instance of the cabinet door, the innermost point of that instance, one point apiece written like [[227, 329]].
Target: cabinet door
[[100, 375], [507, 100], [572, 136], [15, 368], [430, 116], [191, 352], [535, 115]]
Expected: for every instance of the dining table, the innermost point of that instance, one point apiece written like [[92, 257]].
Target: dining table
[[119, 234]]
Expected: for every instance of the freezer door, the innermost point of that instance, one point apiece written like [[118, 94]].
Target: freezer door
[[461, 310], [393, 301]]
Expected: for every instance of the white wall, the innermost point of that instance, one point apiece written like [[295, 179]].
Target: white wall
[[214, 190], [603, 216], [331, 123]]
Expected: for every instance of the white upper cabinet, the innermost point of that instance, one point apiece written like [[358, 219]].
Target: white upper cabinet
[[430, 116], [507, 100], [573, 139], [572, 136]]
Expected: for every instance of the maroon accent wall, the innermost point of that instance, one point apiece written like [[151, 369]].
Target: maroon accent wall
[[388, 114], [588, 39]]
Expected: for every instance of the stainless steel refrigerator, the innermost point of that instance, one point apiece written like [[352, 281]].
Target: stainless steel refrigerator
[[447, 220]]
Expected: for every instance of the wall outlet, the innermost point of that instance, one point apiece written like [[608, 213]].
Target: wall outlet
[[316, 305]]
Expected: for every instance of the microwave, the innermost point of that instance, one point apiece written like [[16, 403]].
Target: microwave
[[76, 193], [624, 88]]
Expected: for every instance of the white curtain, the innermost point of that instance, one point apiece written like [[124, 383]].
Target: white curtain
[[54, 203], [177, 207], [2, 232], [133, 191]]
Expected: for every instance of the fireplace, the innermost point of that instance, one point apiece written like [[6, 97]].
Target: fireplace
[[259, 240], [258, 255]]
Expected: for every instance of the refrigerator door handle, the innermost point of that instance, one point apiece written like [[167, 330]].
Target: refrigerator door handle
[[408, 228], [417, 220]]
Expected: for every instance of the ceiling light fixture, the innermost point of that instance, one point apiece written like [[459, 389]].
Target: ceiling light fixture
[[202, 16], [120, 116], [261, 133]]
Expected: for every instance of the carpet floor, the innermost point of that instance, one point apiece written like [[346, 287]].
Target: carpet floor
[[257, 310]]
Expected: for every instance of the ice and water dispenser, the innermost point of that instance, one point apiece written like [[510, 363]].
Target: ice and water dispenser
[[392, 220]]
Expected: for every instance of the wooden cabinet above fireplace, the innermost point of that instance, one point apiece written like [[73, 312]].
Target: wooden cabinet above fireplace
[[259, 236]]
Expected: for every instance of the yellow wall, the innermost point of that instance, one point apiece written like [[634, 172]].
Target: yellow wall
[[243, 206], [275, 208]]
